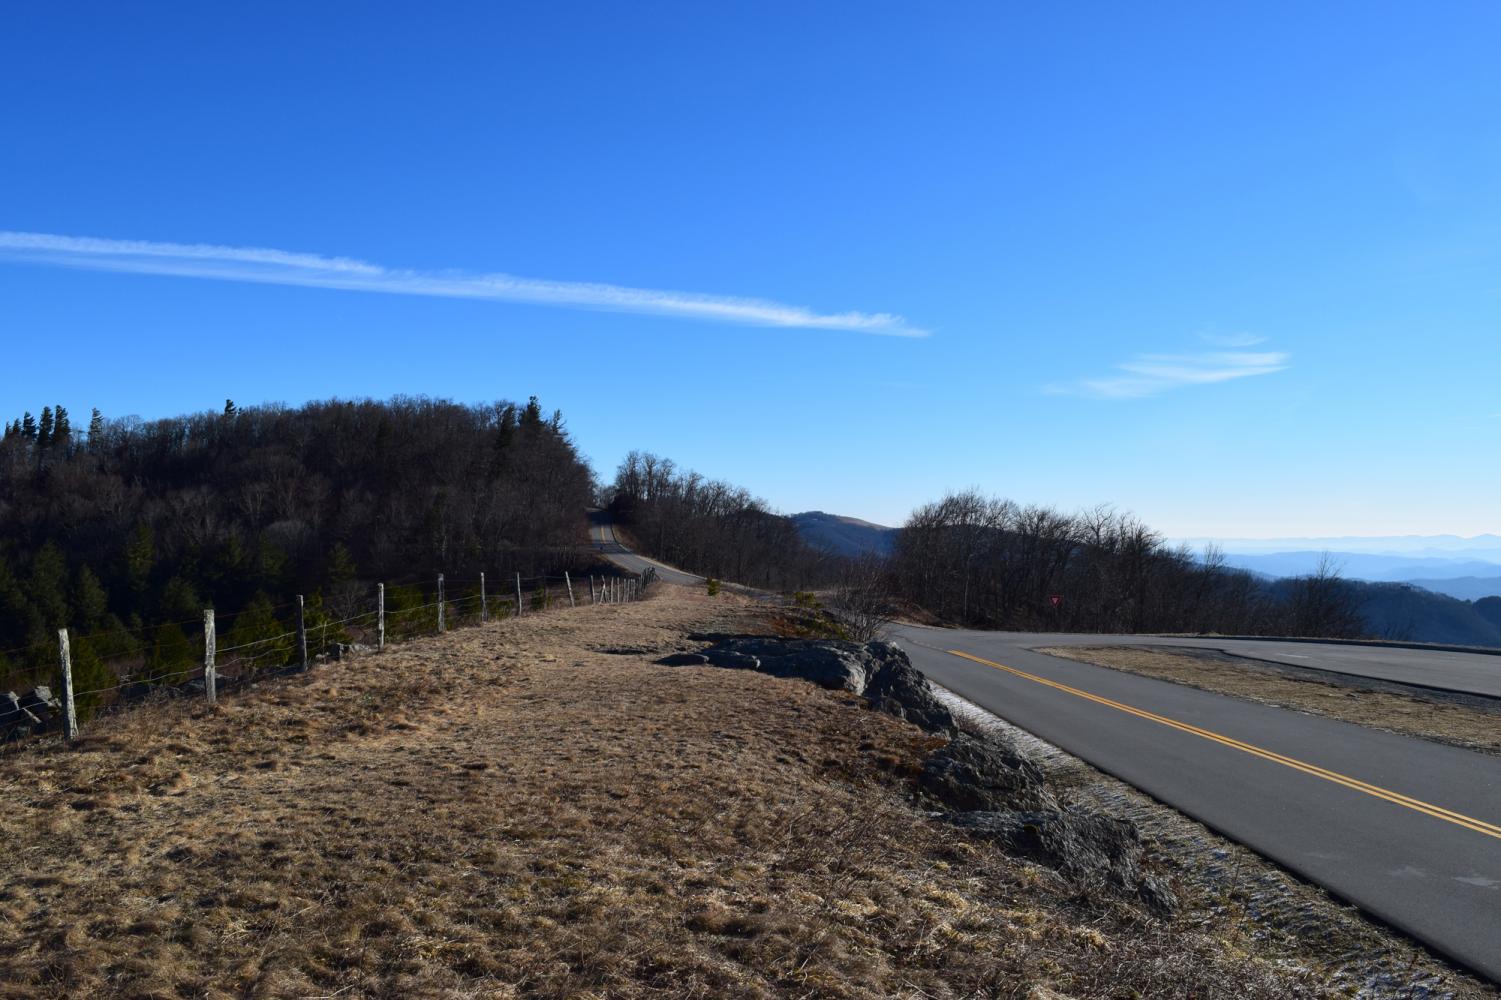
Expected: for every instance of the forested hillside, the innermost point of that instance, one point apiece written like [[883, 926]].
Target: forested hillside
[[987, 562], [132, 524], [1403, 611], [845, 536]]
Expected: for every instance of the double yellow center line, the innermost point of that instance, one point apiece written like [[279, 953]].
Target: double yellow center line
[[1407, 801]]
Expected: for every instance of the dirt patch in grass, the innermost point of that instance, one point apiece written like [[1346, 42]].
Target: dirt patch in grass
[[533, 809], [1471, 722]]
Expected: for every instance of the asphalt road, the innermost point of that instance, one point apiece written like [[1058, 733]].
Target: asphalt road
[[1408, 830], [602, 535], [1472, 673]]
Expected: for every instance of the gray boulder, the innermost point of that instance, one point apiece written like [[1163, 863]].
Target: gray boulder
[[840, 666], [969, 774], [684, 660], [878, 670], [731, 659], [897, 688], [36, 711], [40, 703], [1090, 848], [15, 721]]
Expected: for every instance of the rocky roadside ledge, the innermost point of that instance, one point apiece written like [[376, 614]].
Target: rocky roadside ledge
[[984, 785]]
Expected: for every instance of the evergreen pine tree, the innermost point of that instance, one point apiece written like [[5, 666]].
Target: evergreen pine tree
[[170, 656], [179, 600], [96, 428], [48, 585], [90, 602], [140, 559], [19, 618], [90, 677], [28, 426], [255, 631], [531, 417], [61, 428], [44, 432], [229, 408], [341, 567], [507, 431]]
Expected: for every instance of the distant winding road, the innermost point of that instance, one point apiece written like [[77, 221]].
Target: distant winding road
[[1468, 673], [602, 535]]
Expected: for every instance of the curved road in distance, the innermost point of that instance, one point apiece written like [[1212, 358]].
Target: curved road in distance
[[1468, 673], [602, 535], [1407, 829]]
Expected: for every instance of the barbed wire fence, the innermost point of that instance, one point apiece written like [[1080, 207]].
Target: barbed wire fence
[[260, 645]]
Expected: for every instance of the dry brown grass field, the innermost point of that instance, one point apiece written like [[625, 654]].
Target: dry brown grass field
[[533, 809]]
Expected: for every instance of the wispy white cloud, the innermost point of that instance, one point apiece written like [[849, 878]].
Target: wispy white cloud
[[281, 267], [1151, 374], [1232, 339]]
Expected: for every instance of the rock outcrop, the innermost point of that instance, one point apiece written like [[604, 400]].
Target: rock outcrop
[[879, 671], [970, 774], [897, 688], [1088, 846]]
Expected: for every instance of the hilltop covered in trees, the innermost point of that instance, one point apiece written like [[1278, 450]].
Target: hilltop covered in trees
[[987, 562], [133, 523]]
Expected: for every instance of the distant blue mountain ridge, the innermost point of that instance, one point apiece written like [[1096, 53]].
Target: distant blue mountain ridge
[[1381, 567], [1440, 588]]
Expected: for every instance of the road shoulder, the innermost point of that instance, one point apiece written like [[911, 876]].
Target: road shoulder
[[1470, 722]]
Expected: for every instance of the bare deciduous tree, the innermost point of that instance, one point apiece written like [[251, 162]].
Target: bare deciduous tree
[[862, 600]]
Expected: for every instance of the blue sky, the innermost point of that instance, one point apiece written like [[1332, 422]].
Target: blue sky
[[1235, 270]]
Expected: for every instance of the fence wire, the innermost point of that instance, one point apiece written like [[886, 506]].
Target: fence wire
[[106, 688]]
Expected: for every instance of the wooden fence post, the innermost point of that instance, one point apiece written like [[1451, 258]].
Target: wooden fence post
[[440, 603], [518, 595], [301, 634], [65, 664], [210, 674], [380, 617], [484, 604], [569, 582], [591, 589]]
